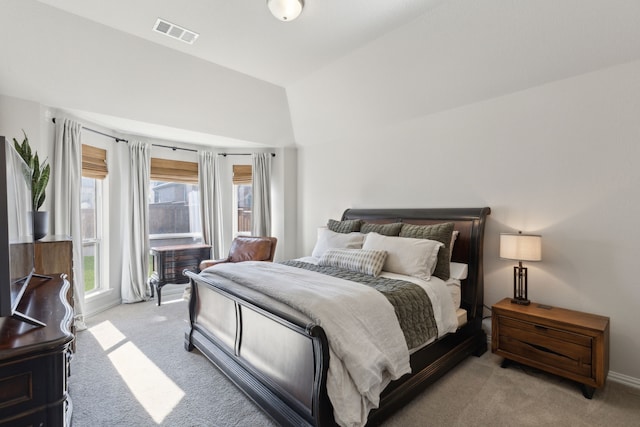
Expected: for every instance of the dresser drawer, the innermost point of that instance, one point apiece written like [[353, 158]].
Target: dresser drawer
[[185, 256], [555, 348]]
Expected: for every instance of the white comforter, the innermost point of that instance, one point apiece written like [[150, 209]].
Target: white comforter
[[438, 292], [364, 356]]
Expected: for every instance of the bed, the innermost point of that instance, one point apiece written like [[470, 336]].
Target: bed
[[281, 359]]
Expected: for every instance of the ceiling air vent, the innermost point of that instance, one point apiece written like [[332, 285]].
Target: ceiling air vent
[[175, 31]]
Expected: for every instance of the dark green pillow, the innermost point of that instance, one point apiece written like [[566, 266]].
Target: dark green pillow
[[384, 229], [438, 232], [346, 226]]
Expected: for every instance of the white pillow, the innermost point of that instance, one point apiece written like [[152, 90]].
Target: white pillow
[[458, 270], [454, 236], [405, 255], [328, 239]]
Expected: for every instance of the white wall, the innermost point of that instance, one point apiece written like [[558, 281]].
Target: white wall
[[17, 115], [558, 159], [530, 108]]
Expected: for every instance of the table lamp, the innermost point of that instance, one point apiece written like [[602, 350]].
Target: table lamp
[[520, 247]]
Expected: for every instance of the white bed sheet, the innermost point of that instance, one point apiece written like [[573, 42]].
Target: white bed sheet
[[453, 286]]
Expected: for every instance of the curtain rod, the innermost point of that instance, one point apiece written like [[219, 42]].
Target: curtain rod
[[127, 141], [99, 133], [240, 154]]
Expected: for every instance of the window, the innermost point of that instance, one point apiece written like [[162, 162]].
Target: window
[[242, 199], [90, 201], [174, 203], [94, 171]]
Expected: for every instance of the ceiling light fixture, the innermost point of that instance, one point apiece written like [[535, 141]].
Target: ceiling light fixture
[[285, 10]]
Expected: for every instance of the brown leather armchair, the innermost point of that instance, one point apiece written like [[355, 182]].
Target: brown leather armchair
[[247, 248]]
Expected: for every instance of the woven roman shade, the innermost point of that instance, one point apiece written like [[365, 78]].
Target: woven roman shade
[[94, 162], [174, 171], [242, 174]]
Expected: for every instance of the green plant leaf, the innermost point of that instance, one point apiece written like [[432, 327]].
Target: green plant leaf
[[35, 169], [40, 172], [41, 185], [40, 201], [44, 176]]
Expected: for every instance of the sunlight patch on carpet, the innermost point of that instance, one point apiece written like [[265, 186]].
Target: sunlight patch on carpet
[[154, 390], [107, 335], [172, 301]]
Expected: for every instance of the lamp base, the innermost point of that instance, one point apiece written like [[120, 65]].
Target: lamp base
[[520, 285]]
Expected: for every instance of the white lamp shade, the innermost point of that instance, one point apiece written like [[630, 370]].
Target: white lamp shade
[[285, 10], [521, 247]]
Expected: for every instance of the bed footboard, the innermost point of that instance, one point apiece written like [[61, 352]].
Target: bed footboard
[[278, 361]]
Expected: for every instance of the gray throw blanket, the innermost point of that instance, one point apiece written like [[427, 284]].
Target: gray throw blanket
[[411, 303]]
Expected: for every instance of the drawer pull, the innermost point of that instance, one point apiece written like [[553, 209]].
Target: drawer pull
[[542, 328]]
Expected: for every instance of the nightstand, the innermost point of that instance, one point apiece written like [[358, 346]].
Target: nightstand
[[571, 344]]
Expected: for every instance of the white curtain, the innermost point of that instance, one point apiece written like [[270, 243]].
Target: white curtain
[[67, 180], [210, 206], [261, 210], [134, 287]]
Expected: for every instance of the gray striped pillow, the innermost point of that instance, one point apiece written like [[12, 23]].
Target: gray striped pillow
[[360, 260]]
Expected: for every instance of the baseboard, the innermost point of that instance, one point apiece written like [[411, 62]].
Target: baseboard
[[101, 308], [624, 379]]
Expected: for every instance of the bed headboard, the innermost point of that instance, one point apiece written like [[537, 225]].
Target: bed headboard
[[468, 248]]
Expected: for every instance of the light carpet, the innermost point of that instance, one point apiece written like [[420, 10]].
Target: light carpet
[[131, 369]]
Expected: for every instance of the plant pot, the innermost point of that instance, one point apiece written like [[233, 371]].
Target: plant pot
[[40, 224]]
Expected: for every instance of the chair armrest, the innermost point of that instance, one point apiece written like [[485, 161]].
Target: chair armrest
[[209, 262]]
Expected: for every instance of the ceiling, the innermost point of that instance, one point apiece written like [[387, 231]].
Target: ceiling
[[243, 52], [243, 35]]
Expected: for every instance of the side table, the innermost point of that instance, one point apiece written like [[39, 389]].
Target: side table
[[168, 263], [568, 343]]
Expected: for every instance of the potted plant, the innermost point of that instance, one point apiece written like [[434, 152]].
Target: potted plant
[[39, 180]]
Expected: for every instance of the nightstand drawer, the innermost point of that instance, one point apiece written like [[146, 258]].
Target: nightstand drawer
[[560, 349], [545, 331]]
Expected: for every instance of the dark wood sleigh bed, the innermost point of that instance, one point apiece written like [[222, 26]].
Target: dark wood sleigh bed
[[280, 360]]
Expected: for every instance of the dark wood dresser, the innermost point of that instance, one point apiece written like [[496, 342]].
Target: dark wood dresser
[[34, 361], [568, 343], [168, 263], [55, 253]]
